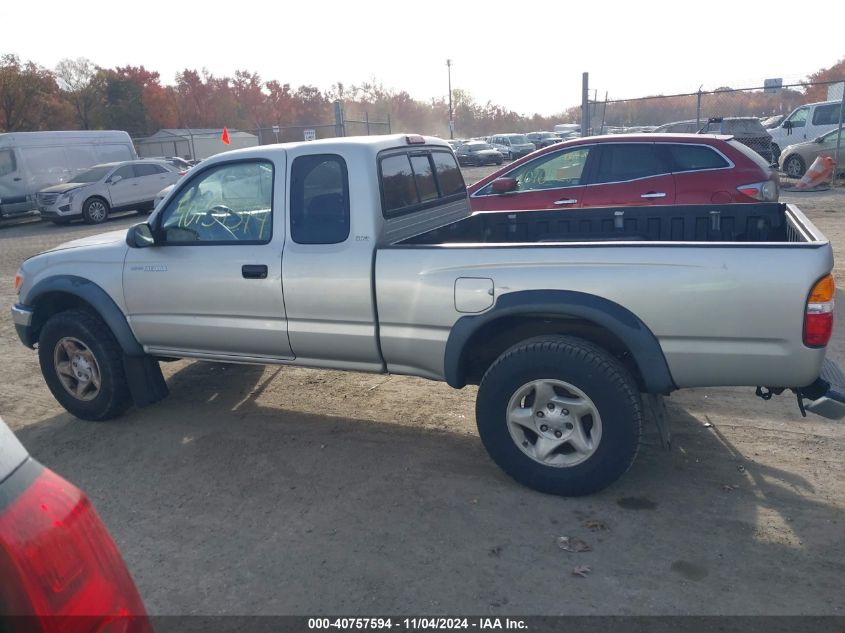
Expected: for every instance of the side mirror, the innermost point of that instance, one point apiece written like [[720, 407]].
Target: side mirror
[[115, 179], [818, 139], [140, 236], [505, 185]]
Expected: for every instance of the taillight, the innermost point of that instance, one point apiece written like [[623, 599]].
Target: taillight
[[58, 564], [818, 319], [766, 191], [183, 172]]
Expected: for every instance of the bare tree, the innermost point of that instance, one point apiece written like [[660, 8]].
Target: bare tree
[[78, 79]]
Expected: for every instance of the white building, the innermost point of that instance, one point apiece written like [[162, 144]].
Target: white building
[[192, 143]]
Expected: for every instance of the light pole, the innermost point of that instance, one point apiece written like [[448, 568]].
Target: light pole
[[451, 121]]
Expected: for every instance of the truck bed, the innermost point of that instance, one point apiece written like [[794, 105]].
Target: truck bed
[[734, 223]]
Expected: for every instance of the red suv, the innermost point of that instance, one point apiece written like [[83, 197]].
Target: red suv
[[641, 169]]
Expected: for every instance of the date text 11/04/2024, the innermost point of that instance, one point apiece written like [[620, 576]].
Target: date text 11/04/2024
[[432, 623]]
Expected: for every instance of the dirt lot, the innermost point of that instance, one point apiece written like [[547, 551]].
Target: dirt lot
[[293, 491]]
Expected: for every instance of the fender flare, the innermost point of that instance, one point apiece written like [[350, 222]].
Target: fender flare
[[97, 298], [621, 322]]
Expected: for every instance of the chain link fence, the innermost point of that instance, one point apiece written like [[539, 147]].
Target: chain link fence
[[777, 107]]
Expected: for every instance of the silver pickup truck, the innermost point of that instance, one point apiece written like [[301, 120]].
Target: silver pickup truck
[[362, 254]]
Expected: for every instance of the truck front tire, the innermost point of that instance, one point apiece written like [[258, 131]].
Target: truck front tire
[[82, 365], [560, 415]]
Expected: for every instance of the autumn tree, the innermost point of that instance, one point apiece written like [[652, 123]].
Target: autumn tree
[[28, 95], [832, 74], [82, 86]]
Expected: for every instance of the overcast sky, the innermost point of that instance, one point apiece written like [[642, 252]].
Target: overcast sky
[[526, 56]]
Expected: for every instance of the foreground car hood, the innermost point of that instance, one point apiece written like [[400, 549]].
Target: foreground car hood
[[63, 187], [112, 237]]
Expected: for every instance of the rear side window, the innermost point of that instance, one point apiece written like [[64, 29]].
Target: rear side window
[[411, 180], [826, 114], [319, 200], [618, 163], [8, 164], [695, 157], [448, 174], [148, 169]]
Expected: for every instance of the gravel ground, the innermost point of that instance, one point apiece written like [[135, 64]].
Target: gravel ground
[[293, 491]]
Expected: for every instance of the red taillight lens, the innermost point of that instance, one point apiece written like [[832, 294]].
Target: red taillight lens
[[60, 567], [818, 319], [766, 191], [183, 172]]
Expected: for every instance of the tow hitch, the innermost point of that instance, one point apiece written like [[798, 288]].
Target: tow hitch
[[824, 397]]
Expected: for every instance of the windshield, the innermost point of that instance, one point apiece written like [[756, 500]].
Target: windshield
[[479, 147], [92, 175], [518, 139]]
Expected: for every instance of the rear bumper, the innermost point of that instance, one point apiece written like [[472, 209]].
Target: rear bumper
[[22, 318], [826, 397]]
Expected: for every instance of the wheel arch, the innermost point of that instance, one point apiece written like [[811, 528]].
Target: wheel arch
[[475, 341], [64, 292]]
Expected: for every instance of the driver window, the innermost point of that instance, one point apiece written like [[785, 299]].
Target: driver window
[[799, 118], [552, 171], [224, 204]]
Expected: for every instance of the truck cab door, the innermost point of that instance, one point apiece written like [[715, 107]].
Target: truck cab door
[[211, 285]]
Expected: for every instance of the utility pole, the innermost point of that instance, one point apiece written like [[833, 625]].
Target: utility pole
[[451, 120], [585, 104]]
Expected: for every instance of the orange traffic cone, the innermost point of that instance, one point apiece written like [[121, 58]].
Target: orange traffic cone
[[818, 172], [225, 136]]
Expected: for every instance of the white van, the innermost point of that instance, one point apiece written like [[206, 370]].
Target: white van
[[31, 161], [805, 123]]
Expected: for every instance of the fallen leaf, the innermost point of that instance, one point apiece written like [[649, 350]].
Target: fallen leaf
[[581, 570], [573, 544], [596, 525]]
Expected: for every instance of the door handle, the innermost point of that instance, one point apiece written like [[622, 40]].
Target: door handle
[[653, 194], [18, 179], [566, 201], [254, 271]]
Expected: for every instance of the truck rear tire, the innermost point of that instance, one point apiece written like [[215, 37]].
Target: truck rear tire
[[82, 365], [560, 415]]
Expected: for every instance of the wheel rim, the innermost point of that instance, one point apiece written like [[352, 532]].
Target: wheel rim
[[77, 369], [793, 167], [97, 211], [554, 423]]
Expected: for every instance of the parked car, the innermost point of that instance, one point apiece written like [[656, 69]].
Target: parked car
[[747, 130], [478, 153], [512, 146], [94, 194], [59, 567], [161, 195], [179, 163], [795, 159], [568, 320], [543, 139], [631, 170], [31, 161], [690, 126], [566, 129], [805, 123]]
